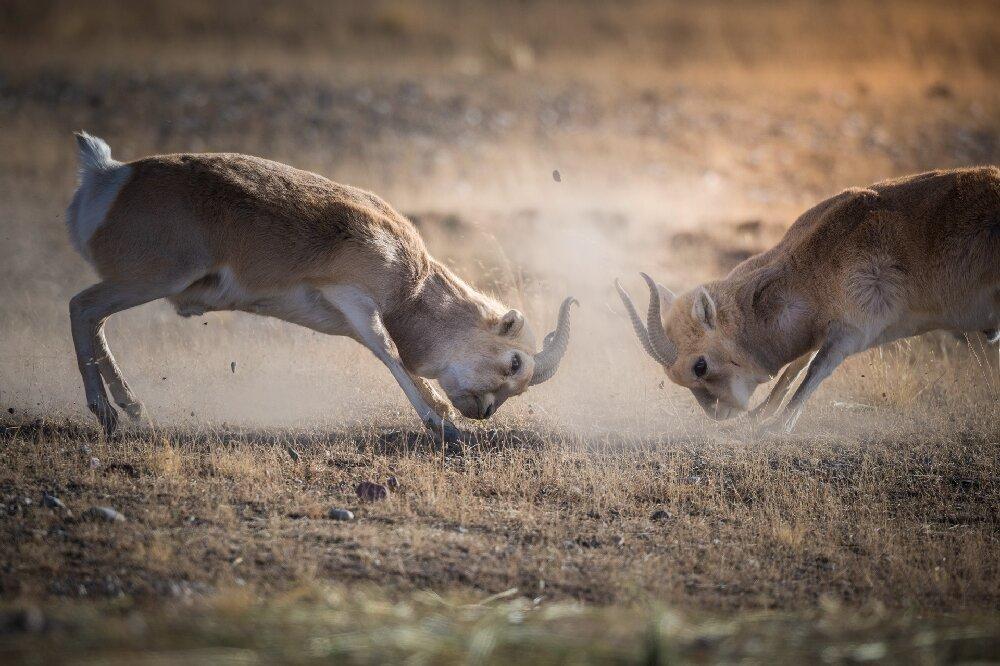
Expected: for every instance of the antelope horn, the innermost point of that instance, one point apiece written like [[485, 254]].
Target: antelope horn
[[637, 325], [655, 340], [658, 339], [554, 346]]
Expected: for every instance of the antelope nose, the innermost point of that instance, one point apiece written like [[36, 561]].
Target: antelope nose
[[487, 405]]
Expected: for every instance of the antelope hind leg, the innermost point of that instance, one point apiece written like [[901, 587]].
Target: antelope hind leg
[[87, 312], [112, 374]]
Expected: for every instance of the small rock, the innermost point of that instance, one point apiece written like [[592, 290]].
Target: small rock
[[28, 620], [371, 492], [95, 462], [52, 502], [10, 410], [556, 176], [392, 483], [340, 514], [660, 515], [232, 367], [292, 453], [105, 513], [618, 539]]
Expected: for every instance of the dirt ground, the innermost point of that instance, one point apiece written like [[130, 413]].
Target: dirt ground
[[686, 137]]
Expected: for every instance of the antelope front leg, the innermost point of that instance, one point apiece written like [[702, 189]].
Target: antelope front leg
[[767, 409], [433, 398], [363, 316], [841, 341]]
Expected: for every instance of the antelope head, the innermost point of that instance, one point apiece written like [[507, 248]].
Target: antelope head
[[499, 361], [695, 344]]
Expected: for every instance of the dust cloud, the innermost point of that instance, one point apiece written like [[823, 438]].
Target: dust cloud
[[677, 155]]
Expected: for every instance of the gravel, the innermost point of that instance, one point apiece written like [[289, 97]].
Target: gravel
[[52, 502], [340, 514], [105, 513]]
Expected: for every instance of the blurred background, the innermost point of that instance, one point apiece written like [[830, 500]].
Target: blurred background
[[543, 148]]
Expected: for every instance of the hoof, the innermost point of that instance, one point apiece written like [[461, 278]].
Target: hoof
[[446, 432], [107, 417], [779, 424], [135, 411]]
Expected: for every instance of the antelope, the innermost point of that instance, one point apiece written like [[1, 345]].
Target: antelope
[[225, 231], [860, 269]]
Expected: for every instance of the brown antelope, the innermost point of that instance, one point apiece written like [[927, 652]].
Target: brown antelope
[[865, 267], [233, 232]]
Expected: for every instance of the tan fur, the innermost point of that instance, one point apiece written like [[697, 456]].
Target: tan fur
[[234, 232], [866, 266]]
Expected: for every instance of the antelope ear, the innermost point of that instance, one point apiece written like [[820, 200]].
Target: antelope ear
[[511, 323], [704, 308], [666, 297]]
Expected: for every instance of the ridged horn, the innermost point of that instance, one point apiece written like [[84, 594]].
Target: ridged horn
[[658, 339], [654, 339], [637, 325], [554, 346]]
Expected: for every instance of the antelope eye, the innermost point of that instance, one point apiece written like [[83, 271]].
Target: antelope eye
[[700, 367], [515, 364]]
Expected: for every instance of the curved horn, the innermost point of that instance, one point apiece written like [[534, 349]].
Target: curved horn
[[640, 328], [658, 339], [554, 346]]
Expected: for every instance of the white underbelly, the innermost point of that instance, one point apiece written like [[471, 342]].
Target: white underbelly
[[977, 314], [220, 292]]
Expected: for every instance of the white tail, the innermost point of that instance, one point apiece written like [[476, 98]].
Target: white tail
[[94, 154], [100, 179]]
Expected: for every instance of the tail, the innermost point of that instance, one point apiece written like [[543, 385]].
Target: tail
[[101, 177], [94, 154]]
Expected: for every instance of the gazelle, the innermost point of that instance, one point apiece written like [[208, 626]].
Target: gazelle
[[865, 267], [233, 232]]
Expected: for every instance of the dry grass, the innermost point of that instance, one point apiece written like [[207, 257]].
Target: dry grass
[[910, 523], [362, 625], [688, 136]]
